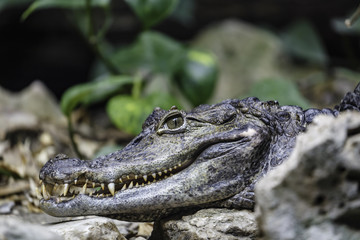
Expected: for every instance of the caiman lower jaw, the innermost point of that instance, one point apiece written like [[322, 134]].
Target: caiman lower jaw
[[67, 191]]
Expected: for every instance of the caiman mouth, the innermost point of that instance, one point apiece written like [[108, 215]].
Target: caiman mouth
[[68, 191]]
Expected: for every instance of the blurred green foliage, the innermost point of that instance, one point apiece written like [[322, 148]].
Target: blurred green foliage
[[302, 41], [150, 12], [152, 54], [126, 71], [197, 77], [285, 92], [92, 92]]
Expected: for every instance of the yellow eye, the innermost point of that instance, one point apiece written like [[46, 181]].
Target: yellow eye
[[174, 122]]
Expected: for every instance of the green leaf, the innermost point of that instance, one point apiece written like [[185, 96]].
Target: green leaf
[[302, 41], [12, 3], [129, 113], [151, 12], [184, 12], [92, 92], [151, 53], [163, 100], [285, 92], [198, 76], [71, 4]]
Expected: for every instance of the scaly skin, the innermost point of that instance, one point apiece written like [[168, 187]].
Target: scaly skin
[[211, 156]]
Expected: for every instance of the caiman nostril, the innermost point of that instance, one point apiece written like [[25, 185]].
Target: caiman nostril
[[137, 140]]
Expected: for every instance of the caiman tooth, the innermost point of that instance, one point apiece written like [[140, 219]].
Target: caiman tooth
[[93, 184], [179, 164], [75, 181], [127, 176], [159, 173], [66, 188], [175, 167], [145, 178], [103, 186], [124, 187], [137, 185], [45, 194], [153, 175], [136, 176], [170, 169], [131, 184], [83, 190], [120, 180], [111, 187], [55, 187], [165, 171], [43, 188]]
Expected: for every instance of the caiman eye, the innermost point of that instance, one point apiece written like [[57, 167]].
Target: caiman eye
[[174, 122]]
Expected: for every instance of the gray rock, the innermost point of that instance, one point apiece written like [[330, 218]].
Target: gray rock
[[315, 193], [209, 224], [13, 228], [6, 207], [239, 47], [90, 228]]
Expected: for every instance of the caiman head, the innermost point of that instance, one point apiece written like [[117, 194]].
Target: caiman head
[[180, 160]]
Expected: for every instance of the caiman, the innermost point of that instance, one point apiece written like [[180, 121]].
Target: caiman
[[211, 156]]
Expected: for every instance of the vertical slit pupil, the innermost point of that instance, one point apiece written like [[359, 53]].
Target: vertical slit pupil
[[175, 122]]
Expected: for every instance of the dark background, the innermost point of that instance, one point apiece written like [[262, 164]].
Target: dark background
[[47, 47]]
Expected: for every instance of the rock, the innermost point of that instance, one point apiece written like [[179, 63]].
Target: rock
[[6, 206], [36, 100], [209, 224], [239, 47], [13, 228], [90, 228], [315, 193]]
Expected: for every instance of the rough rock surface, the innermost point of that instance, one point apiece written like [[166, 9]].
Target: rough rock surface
[[92, 228], [315, 193], [210, 224], [14, 228]]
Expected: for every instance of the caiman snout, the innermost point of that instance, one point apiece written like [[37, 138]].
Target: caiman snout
[[62, 169]]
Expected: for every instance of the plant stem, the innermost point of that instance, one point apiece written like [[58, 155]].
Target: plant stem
[[94, 43], [72, 140], [136, 89]]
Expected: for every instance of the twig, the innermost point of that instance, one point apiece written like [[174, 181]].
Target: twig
[[350, 21], [94, 43]]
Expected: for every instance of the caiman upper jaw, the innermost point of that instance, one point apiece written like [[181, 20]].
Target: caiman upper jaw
[[68, 189]]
